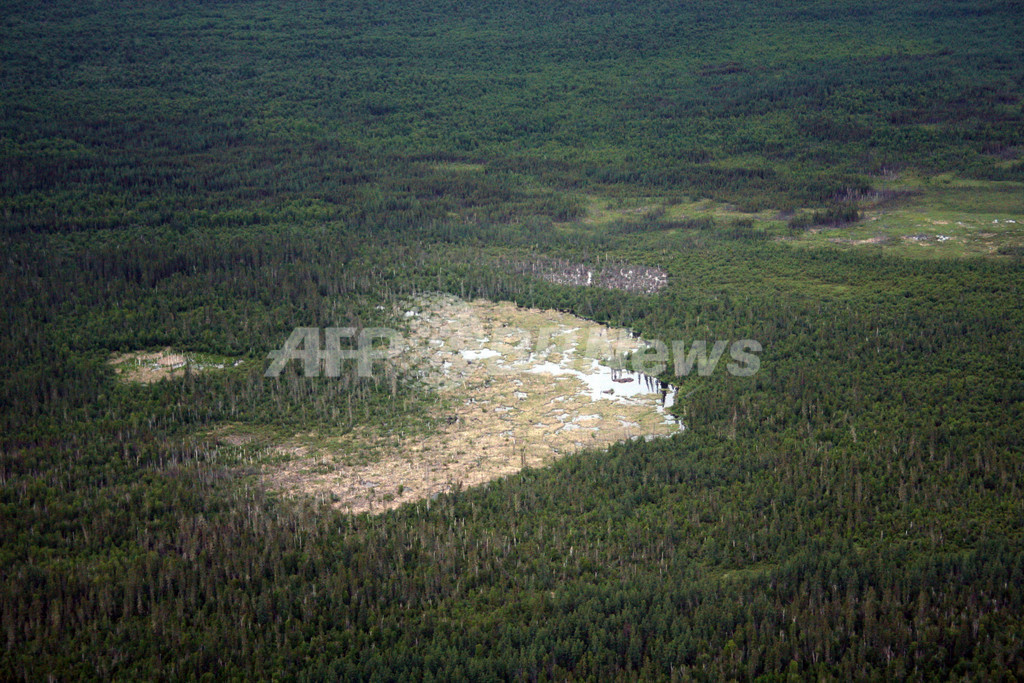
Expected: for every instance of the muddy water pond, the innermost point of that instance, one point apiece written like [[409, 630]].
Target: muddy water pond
[[518, 388]]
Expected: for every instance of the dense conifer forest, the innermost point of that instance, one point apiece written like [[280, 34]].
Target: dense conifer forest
[[208, 176]]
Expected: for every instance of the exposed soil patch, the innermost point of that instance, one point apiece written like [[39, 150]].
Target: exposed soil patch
[[927, 240], [152, 366], [877, 239], [515, 388]]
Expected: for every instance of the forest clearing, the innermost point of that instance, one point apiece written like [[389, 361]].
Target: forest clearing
[[518, 388]]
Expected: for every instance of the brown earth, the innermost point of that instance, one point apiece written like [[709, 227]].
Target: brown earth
[[481, 360]]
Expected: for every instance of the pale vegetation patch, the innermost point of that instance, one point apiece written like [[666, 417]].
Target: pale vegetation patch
[[514, 388], [146, 367]]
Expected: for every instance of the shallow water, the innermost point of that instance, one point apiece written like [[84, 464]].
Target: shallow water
[[605, 383], [479, 354]]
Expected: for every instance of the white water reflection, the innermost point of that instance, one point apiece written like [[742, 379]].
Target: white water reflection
[[479, 354], [603, 382]]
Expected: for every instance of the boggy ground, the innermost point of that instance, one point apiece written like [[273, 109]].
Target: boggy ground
[[516, 388], [146, 367]]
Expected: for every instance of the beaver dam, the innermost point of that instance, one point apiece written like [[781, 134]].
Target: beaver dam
[[518, 388]]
